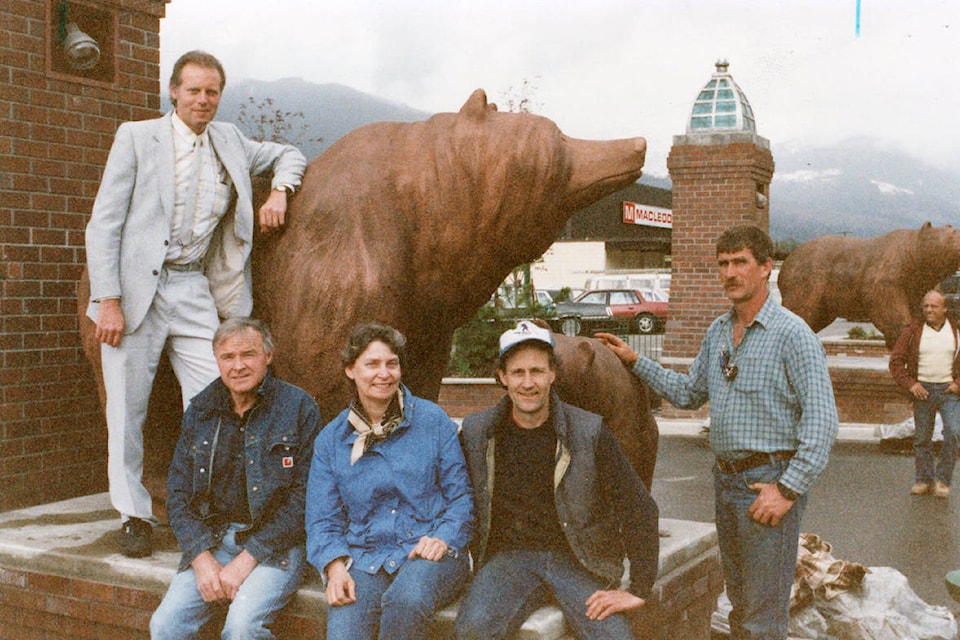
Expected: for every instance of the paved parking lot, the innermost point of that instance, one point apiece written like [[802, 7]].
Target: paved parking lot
[[861, 505]]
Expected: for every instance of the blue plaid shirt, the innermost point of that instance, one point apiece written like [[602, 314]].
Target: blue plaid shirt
[[780, 399]]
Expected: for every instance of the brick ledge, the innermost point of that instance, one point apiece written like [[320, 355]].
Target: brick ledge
[[59, 572]]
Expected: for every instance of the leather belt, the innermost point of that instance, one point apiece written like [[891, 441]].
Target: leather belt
[[193, 266], [753, 461]]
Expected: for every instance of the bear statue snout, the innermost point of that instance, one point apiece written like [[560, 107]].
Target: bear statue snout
[[599, 167]]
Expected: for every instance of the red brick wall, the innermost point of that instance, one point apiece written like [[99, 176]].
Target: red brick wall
[[38, 606], [715, 186], [55, 132], [460, 398], [864, 395], [42, 606], [857, 348]]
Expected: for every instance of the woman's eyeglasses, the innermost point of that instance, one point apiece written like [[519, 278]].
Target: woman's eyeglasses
[[729, 371]]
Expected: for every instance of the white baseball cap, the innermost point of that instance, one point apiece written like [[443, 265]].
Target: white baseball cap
[[525, 331]]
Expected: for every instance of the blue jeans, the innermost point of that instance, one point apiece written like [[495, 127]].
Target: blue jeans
[[260, 598], [759, 562], [514, 584], [400, 605], [924, 418]]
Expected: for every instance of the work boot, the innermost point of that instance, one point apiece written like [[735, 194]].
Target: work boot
[[135, 538], [920, 488], [941, 490]]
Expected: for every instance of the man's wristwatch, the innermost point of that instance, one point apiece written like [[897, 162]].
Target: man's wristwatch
[[787, 492], [284, 187]]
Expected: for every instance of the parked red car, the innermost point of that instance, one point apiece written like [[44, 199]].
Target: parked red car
[[645, 312]]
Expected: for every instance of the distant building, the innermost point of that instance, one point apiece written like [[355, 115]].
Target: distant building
[[598, 240]]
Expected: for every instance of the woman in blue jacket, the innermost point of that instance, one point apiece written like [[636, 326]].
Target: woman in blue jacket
[[389, 512]]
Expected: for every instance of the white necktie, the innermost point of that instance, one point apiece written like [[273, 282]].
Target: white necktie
[[190, 205]]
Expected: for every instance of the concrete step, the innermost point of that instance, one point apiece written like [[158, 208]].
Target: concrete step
[[60, 572]]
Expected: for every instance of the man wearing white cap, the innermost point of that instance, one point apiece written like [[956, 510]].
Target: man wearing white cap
[[558, 511]]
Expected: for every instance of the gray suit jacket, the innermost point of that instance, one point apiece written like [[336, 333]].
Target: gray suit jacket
[[129, 231]]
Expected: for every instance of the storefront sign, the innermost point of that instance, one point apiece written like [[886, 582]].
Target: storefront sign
[[646, 215]]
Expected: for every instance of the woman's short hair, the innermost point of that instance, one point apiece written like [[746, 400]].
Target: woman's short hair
[[370, 332], [235, 326]]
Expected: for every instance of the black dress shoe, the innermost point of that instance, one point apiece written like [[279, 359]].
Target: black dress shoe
[[135, 538]]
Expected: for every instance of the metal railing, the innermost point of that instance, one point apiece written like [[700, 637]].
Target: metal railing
[[649, 345]]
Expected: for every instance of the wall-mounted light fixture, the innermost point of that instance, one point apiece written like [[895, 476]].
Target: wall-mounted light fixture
[[81, 50]]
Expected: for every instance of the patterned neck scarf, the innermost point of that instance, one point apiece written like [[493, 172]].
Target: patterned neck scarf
[[368, 434]]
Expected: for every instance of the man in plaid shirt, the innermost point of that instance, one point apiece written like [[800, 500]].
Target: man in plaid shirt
[[773, 421]]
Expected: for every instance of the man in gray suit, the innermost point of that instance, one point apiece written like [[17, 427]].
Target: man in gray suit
[[168, 248]]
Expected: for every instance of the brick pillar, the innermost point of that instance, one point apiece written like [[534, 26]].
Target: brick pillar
[[719, 180], [57, 127]]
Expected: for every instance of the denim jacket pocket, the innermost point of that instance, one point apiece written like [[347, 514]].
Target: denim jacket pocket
[[282, 461]]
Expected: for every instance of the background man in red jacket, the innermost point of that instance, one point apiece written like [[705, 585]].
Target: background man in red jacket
[[924, 361]]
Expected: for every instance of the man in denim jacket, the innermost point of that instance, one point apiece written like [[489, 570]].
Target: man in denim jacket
[[236, 491]]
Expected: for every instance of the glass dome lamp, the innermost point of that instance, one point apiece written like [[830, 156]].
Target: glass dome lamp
[[721, 106]]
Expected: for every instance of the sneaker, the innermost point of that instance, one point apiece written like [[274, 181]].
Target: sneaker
[[941, 490], [135, 538], [920, 488]]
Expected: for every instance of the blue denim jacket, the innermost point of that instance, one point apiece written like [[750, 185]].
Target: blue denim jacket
[[279, 443], [412, 484]]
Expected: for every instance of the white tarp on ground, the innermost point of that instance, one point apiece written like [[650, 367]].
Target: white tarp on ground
[[884, 607], [835, 599], [906, 429]]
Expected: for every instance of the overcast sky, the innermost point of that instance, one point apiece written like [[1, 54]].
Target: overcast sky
[[614, 68]]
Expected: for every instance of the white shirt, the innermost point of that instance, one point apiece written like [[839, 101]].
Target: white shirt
[[937, 350], [214, 189]]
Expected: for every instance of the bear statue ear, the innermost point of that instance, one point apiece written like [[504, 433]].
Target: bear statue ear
[[587, 350], [476, 105], [923, 236]]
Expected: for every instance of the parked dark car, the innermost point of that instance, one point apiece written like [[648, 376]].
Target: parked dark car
[[611, 310], [504, 312]]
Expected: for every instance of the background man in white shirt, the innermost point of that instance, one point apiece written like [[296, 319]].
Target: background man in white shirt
[[925, 363]]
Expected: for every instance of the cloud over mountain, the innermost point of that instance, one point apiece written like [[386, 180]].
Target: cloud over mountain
[[857, 187]]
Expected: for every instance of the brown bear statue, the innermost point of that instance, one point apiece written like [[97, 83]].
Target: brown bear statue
[[881, 280], [416, 224]]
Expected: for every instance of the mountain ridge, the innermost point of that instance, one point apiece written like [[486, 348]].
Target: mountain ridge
[[857, 186]]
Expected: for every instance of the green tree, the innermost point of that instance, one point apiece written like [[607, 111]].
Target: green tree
[[475, 346]]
